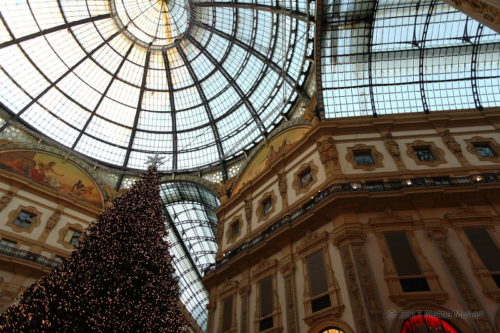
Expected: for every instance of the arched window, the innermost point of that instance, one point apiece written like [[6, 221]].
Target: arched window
[[424, 323], [332, 330]]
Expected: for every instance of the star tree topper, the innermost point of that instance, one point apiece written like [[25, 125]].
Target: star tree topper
[[155, 160]]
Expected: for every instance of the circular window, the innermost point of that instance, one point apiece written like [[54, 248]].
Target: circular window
[[427, 324]]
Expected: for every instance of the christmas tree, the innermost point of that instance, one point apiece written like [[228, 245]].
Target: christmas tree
[[119, 278]]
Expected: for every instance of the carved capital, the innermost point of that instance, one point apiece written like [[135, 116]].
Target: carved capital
[[328, 154]]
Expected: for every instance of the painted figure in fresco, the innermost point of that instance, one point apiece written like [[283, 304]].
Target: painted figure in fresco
[[49, 174], [79, 188]]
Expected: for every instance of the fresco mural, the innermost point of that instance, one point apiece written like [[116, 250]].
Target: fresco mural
[[269, 153], [54, 172]]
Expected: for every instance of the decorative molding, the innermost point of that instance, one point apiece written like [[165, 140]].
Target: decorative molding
[[336, 307], [438, 153], [28, 209], [483, 274], [368, 288], [287, 269], [297, 182], [248, 211], [311, 241], [328, 155], [260, 212], [51, 223], [244, 292], [330, 322], [393, 148], [467, 213], [389, 219], [354, 289], [229, 286], [229, 232], [228, 289], [464, 288], [5, 200], [376, 156], [264, 267], [65, 230], [454, 146], [482, 140], [436, 294], [282, 186]]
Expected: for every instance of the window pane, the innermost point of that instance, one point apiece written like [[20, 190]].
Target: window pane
[[402, 254], [266, 296], [228, 313], [363, 158], [485, 247], [317, 275], [24, 219], [424, 154], [484, 150]]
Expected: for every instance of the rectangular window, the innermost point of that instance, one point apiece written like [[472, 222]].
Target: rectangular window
[[235, 228], [227, 317], [24, 219], [266, 303], [424, 153], [486, 249], [363, 157], [484, 150], [318, 281], [405, 262], [75, 237]]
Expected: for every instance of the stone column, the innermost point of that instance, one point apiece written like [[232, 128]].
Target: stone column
[[365, 303], [288, 269]]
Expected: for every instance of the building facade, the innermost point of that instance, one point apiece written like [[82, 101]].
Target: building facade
[[363, 226]]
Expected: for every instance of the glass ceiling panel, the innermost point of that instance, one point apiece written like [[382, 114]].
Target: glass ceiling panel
[[191, 226], [111, 62], [399, 56]]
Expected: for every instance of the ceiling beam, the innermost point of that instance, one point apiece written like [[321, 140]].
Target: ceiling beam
[[304, 17], [168, 73], [138, 111], [236, 87], [276, 68], [53, 29], [203, 97]]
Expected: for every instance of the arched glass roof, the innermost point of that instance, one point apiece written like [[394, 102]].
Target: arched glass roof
[[190, 212], [400, 56], [195, 81]]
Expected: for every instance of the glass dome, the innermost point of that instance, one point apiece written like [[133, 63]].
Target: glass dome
[[194, 81]]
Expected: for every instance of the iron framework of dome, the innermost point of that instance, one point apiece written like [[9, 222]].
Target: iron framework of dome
[[194, 81]]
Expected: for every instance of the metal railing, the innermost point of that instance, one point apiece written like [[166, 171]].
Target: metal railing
[[29, 256], [371, 186]]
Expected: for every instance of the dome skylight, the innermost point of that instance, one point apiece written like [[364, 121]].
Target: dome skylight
[[196, 82]]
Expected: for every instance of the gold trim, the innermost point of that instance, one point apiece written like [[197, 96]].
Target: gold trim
[[28, 209], [376, 156], [297, 184], [438, 153]]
